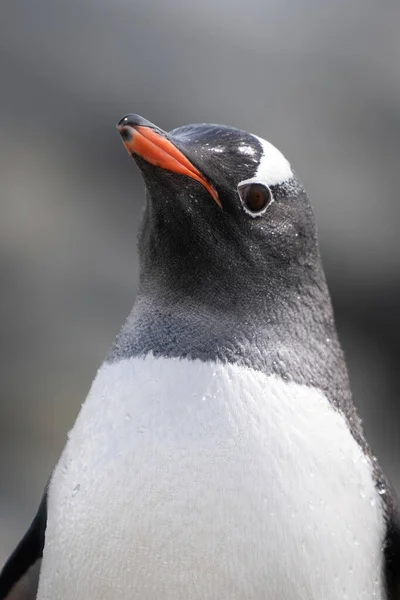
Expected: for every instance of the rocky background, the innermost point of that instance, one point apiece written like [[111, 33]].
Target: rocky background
[[321, 80]]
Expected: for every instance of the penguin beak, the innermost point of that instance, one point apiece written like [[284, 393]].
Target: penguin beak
[[142, 138]]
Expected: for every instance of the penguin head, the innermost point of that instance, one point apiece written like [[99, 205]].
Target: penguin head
[[226, 216]]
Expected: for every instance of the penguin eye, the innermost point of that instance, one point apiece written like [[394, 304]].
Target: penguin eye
[[255, 198]]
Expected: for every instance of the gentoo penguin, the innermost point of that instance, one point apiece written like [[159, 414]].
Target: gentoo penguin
[[218, 455]]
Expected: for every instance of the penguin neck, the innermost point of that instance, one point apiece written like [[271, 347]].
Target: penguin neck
[[291, 334]]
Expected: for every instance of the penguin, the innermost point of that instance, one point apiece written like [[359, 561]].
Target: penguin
[[219, 454]]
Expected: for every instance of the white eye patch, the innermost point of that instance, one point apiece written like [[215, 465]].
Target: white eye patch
[[273, 168]]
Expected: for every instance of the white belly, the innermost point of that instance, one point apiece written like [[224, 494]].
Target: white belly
[[184, 480]]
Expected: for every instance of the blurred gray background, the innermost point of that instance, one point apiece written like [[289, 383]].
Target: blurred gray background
[[320, 80]]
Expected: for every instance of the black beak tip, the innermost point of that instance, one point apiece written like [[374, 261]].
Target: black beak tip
[[131, 120], [125, 133]]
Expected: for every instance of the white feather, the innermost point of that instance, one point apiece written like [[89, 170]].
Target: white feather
[[273, 168], [185, 480]]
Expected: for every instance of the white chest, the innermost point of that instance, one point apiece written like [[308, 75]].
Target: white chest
[[183, 480]]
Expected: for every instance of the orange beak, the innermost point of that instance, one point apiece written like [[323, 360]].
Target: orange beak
[[154, 148]]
